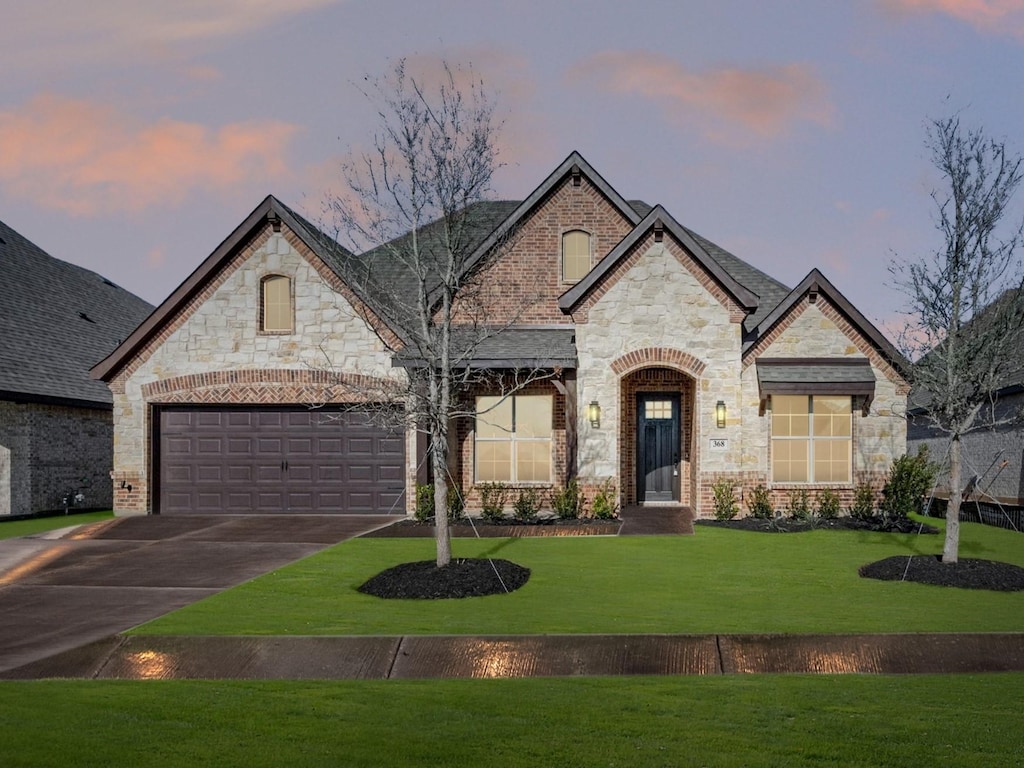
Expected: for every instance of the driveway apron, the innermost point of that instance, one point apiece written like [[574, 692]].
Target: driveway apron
[[98, 580]]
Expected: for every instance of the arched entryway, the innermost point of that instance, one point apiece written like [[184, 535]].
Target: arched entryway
[[656, 439]]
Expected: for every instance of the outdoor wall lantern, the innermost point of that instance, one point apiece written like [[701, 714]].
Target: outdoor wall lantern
[[594, 414], [720, 414]]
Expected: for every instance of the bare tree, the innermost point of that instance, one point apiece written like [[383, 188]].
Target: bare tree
[[964, 334], [415, 212]]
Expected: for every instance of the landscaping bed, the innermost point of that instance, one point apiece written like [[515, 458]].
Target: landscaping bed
[[479, 528], [921, 569], [792, 525], [966, 573], [466, 577]]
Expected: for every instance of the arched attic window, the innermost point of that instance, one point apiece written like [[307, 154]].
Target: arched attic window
[[276, 314], [575, 255]]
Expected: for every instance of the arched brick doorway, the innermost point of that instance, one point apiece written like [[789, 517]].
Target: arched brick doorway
[[656, 440]]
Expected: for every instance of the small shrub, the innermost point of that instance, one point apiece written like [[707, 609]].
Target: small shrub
[[492, 501], [799, 505], [828, 504], [727, 506], [424, 502], [759, 504], [606, 502], [910, 480], [456, 504], [526, 505], [567, 502], [863, 503]]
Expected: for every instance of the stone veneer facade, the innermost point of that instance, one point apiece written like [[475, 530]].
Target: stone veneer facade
[[660, 324], [656, 322], [658, 310], [213, 351]]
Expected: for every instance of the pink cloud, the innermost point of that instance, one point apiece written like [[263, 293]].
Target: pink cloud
[[742, 104], [87, 158], [993, 16]]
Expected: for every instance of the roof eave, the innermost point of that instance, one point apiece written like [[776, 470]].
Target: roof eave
[[744, 297], [565, 168], [817, 282]]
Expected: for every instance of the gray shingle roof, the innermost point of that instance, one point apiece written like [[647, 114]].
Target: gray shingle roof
[[815, 376], [57, 320], [515, 348], [769, 290]]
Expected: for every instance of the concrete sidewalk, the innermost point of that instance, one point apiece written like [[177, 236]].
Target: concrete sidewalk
[[431, 656]]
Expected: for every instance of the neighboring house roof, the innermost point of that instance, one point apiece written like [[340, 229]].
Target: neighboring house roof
[[56, 321], [1012, 383]]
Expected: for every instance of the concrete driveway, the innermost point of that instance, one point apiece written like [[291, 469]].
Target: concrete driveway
[[58, 592]]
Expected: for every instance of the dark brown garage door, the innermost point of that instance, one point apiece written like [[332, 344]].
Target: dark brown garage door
[[244, 460]]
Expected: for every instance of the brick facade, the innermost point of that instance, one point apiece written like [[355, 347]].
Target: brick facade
[[464, 456], [50, 451], [524, 284]]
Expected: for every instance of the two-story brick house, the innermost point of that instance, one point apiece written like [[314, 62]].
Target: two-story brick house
[[667, 363]]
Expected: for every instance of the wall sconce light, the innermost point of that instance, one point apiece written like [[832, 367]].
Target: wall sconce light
[[720, 414], [594, 414]]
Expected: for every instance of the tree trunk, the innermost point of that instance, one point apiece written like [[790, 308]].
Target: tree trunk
[[439, 463], [951, 549]]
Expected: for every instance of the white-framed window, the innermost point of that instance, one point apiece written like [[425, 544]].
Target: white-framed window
[[513, 439], [812, 439], [276, 315], [575, 255]]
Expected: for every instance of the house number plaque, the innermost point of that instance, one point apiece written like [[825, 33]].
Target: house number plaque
[[719, 444]]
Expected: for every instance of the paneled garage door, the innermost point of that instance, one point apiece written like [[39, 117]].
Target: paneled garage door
[[244, 460]]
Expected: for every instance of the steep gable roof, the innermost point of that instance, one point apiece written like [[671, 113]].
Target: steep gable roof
[[271, 211], [56, 321], [816, 283], [659, 216]]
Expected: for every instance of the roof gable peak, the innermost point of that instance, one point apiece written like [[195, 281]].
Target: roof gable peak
[[658, 220]]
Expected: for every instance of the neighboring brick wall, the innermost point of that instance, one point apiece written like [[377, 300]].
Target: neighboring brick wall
[[983, 452], [524, 284], [49, 451]]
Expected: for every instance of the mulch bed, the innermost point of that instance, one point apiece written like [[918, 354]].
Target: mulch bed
[[929, 569], [507, 529], [923, 569], [468, 577], [789, 525]]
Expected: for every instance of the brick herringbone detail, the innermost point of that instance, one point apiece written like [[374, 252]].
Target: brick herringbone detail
[[658, 356], [270, 387]]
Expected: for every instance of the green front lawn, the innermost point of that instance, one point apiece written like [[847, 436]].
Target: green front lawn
[[770, 720], [10, 529], [717, 581]]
